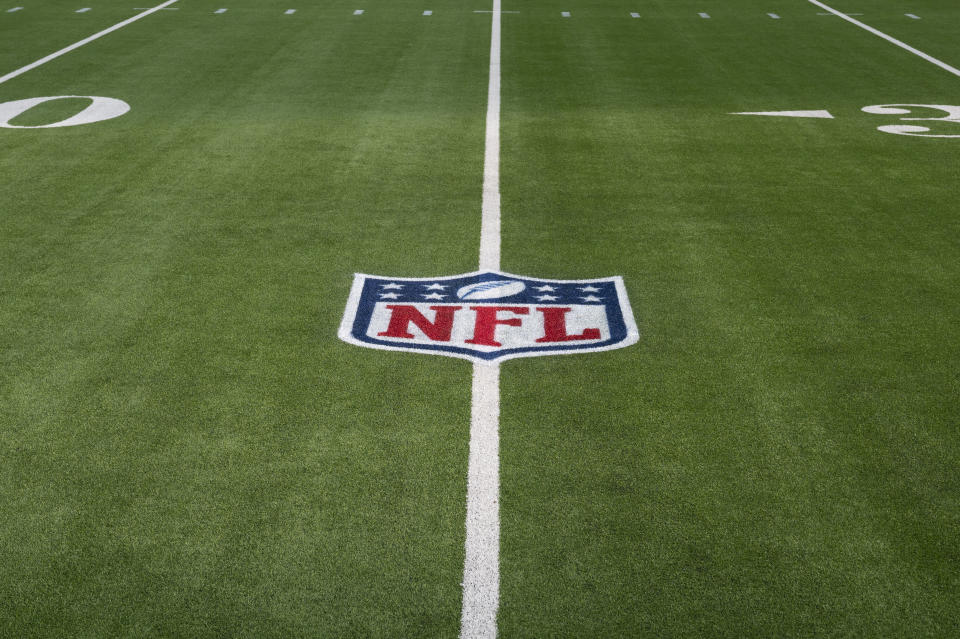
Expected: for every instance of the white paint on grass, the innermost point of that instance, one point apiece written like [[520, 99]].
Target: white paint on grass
[[220, 11], [634, 15], [289, 12], [481, 567], [481, 564], [839, 14], [890, 39], [77, 45], [99, 109], [790, 114], [84, 10], [705, 16], [952, 116], [912, 16], [565, 14], [358, 12], [774, 16], [428, 13], [14, 9]]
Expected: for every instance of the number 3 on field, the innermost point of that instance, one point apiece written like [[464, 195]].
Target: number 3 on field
[[952, 115]]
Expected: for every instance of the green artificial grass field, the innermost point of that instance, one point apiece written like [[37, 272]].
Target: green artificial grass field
[[188, 450]]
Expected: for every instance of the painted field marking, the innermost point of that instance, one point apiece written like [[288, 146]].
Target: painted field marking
[[220, 11], [839, 14], [565, 14], [890, 39], [289, 12], [358, 12], [481, 562], [912, 16], [789, 114], [634, 15], [14, 9], [77, 45], [428, 13], [84, 10], [488, 11], [705, 16], [774, 16]]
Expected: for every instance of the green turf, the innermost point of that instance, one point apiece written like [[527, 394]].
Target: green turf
[[189, 451]]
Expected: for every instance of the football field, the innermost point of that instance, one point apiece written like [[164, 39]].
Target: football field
[[743, 421]]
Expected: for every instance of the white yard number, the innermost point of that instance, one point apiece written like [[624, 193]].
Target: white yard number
[[952, 115], [99, 109]]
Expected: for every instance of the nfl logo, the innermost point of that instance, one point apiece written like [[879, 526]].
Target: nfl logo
[[488, 316]]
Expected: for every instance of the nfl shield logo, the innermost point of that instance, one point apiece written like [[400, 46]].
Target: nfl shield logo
[[488, 316]]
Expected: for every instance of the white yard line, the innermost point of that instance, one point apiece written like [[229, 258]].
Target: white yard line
[[481, 564], [77, 45], [892, 40]]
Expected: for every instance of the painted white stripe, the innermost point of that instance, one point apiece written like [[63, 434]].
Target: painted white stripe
[[481, 564], [289, 12], [220, 11], [705, 16], [774, 16], [358, 12], [840, 14], [912, 16], [84, 10], [77, 45], [428, 13], [565, 14], [490, 208], [890, 39], [14, 9], [634, 15]]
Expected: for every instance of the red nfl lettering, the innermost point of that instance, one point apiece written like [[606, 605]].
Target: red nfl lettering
[[402, 315], [555, 326], [487, 321]]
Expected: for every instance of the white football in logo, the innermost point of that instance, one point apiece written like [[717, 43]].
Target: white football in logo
[[490, 290]]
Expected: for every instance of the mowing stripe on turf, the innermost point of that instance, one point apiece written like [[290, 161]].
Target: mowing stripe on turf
[[77, 45], [481, 563], [899, 43]]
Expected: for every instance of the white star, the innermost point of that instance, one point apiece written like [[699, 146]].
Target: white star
[[545, 287], [436, 287], [391, 285], [546, 298], [433, 296], [388, 296], [591, 298], [590, 289]]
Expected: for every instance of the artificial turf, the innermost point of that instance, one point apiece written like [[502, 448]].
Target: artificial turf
[[189, 451]]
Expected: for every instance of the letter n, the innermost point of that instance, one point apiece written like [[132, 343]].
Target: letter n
[[403, 314]]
